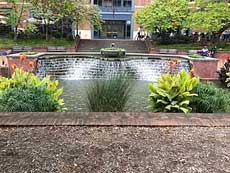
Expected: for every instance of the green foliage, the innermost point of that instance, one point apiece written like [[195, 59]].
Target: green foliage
[[228, 79], [26, 80], [163, 15], [31, 29], [196, 56], [20, 99], [80, 12], [209, 15], [15, 15], [39, 42], [172, 93], [28, 53], [109, 95], [210, 99]]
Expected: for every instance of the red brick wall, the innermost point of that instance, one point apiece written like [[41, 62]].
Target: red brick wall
[[205, 69], [24, 65], [142, 2], [2, 58]]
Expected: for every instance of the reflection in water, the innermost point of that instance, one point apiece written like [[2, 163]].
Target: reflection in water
[[75, 96]]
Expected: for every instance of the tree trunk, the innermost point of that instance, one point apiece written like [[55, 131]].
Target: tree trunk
[[15, 33], [77, 30], [47, 30], [62, 28]]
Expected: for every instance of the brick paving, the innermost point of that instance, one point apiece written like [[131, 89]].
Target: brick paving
[[115, 119]]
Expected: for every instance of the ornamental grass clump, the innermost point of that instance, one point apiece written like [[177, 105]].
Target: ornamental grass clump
[[25, 92], [173, 93], [109, 95]]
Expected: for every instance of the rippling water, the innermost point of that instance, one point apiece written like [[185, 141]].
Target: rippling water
[[75, 96]]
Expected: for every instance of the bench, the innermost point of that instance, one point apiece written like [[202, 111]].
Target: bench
[[172, 51], [56, 49], [18, 49], [165, 51], [191, 52]]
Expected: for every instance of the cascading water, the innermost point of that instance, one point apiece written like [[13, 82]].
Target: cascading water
[[87, 68], [76, 73]]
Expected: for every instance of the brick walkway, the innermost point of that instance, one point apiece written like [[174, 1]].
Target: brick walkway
[[114, 119]]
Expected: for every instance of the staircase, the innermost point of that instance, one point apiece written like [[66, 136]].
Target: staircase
[[131, 46]]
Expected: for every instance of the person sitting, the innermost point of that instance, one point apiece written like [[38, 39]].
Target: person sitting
[[204, 51]]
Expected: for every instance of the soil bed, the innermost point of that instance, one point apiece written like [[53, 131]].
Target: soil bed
[[114, 149]]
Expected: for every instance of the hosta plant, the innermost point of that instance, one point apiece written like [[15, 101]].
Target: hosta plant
[[172, 93]]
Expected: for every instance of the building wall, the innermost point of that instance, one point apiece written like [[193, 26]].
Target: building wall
[[25, 15], [85, 30], [119, 15], [142, 2]]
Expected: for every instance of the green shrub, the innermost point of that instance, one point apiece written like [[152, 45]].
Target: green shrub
[[27, 100], [172, 93], [26, 80], [109, 95], [210, 99]]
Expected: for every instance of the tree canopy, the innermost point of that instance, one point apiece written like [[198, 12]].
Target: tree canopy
[[79, 11], [15, 16], [169, 15], [210, 15], [163, 15]]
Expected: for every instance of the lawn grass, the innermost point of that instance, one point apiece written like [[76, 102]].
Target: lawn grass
[[39, 43], [195, 46]]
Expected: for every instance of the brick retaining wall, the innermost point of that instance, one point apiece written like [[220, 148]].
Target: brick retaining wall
[[114, 119], [205, 69]]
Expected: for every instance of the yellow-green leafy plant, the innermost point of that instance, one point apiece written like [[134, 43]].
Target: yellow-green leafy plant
[[27, 80], [172, 93], [228, 79]]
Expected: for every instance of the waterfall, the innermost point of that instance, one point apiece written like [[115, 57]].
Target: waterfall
[[86, 68]]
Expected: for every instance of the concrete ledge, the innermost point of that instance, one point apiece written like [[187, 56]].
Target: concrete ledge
[[115, 119]]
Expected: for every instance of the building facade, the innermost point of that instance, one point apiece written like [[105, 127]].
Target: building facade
[[118, 19], [117, 16]]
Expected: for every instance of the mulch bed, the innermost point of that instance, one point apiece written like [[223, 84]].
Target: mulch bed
[[114, 149]]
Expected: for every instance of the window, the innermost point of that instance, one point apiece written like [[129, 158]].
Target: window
[[98, 2], [127, 3], [117, 3], [107, 3]]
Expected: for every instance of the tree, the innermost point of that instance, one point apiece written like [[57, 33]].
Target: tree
[[80, 11], [210, 16], [47, 11], [15, 15], [163, 15]]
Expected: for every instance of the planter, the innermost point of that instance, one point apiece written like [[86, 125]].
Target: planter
[[113, 53]]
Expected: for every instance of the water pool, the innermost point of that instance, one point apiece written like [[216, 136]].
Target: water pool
[[75, 96]]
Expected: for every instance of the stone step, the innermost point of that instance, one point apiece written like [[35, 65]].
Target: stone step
[[131, 46]]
